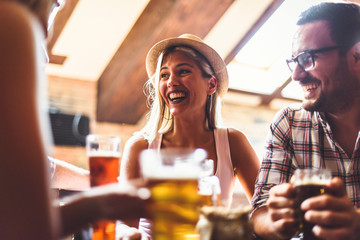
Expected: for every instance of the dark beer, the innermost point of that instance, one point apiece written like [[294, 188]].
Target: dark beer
[[103, 170], [303, 192]]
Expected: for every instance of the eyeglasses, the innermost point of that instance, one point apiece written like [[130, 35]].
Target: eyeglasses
[[305, 59]]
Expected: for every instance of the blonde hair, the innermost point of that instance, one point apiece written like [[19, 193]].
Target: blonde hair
[[160, 118]]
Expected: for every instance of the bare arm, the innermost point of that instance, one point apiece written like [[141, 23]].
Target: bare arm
[[109, 202], [70, 177], [130, 163], [24, 172], [245, 161]]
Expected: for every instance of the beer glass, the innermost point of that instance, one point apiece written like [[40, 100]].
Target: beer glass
[[104, 162], [209, 191], [172, 177], [309, 183]]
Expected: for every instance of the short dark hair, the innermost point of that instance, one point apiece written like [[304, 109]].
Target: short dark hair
[[343, 20]]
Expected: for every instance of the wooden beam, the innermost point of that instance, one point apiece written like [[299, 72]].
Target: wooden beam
[[261, 95], [120, 87], [59, 24], [266, 99]]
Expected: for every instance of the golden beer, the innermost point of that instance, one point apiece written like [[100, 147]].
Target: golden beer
[[174, 208], [209, 190], [209, 201]]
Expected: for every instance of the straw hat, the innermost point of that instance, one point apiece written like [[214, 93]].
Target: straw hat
[[216, 62]]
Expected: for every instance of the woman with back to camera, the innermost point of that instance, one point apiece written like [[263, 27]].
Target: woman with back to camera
[[186, 80], [26, 205]]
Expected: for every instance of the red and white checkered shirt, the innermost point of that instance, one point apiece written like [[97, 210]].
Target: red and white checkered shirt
[[303, 139]]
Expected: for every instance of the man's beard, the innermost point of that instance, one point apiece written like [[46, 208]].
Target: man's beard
[[313, 104], [344, 90]]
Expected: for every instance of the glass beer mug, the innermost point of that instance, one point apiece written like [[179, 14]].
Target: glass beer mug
[[309, 183], [172, 178]]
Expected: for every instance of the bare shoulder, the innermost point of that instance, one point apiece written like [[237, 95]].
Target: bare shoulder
[[136, 143], [15, 18], [236, 135], [240, 147], [130, 164], [21, 35]]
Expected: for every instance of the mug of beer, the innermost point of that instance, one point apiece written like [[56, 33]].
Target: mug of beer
[[104, 163], [309, 183], [209, 191], [172, 178]]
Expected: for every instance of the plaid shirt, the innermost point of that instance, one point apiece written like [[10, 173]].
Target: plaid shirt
[[303, 139]]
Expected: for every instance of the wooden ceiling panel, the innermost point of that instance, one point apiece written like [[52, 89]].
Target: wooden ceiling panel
[[120, 87]]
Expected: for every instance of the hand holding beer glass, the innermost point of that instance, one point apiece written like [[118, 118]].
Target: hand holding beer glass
[[172, 177], [309, 183], [104, 162]]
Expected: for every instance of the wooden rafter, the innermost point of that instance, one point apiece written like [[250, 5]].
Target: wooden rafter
[[60, 22]]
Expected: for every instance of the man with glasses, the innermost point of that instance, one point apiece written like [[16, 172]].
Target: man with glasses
[[322, 133]]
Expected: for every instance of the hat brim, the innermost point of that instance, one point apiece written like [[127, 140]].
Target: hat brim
[[216, 62]]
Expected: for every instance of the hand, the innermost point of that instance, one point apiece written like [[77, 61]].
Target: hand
[[281, 208], [334, 214], [120, 202], [109, 202], [124, 232]]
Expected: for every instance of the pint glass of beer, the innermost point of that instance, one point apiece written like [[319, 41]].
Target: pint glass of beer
[[209, 191], [104, 162], [309, 183], [172, 177]]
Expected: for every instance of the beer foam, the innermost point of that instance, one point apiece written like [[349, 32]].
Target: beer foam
[[314, 180], [179, 171], [101, 153]]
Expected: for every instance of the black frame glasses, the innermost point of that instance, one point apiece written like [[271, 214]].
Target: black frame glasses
[[305, 59]]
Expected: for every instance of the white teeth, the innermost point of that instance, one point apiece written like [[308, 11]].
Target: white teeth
[[176, 95], [310, 87]]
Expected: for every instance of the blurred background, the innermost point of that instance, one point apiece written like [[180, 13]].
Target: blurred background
[[97, 63]]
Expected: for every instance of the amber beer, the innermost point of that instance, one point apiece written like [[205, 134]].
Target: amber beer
[[103, 169], [174, 208], [104, 161], [309, 183]]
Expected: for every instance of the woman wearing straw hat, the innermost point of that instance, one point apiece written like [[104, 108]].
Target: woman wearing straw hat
[[187, 78]]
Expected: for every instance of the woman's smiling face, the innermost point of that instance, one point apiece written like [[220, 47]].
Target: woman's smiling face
[[182, 85]]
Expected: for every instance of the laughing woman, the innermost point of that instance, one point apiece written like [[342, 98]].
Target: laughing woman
[[187, 78]]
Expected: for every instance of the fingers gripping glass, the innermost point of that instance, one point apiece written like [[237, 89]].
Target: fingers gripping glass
[[305, 59]]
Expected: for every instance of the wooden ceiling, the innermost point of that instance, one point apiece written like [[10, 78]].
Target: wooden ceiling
[[120, 87]]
